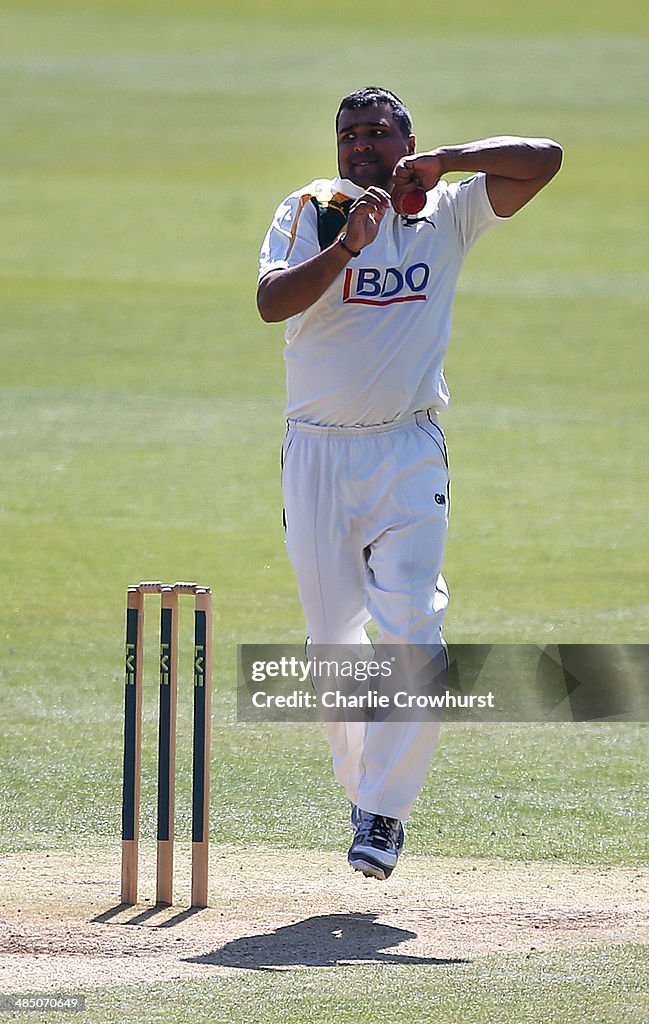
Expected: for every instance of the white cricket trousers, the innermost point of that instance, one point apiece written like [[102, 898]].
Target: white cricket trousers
[[366, 511]]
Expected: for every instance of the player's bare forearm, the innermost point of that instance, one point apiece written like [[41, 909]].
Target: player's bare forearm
[[516, 168], [285, 292], [507, 156]]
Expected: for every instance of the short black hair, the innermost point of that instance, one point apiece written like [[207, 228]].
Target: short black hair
[[369, 96]]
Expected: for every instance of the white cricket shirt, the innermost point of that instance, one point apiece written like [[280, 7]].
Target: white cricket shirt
[[372, 348]]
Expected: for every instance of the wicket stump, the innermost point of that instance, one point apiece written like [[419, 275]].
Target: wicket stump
[[169, 599]]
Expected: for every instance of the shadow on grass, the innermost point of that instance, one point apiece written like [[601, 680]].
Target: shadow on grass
[[146, 915], [327, 940]]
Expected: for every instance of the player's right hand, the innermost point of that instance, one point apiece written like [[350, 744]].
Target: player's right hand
[[418, 170], [365, 216]]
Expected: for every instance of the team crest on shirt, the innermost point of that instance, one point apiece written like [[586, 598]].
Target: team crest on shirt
[[382, 286]]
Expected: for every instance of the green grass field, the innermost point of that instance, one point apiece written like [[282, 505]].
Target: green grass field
[[145, 146]]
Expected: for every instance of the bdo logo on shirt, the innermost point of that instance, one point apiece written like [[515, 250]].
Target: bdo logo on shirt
[[381, 286]]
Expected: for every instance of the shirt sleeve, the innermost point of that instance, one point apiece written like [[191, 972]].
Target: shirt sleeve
[[472, 211], [292, 237]]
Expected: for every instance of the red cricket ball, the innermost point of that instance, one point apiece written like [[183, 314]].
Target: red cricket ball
[[413, 202]]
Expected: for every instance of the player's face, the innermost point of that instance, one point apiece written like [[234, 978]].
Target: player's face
[[370, 143]]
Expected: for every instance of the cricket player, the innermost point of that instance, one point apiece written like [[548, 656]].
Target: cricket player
[[367, 290]]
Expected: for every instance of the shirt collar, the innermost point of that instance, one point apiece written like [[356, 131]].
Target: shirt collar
[[347, 187]]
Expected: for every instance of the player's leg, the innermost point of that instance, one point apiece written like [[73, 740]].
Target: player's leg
[[325, 551], [407, 597], [323, 541], [407, 593]]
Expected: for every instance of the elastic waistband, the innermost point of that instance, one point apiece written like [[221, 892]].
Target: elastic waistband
[[420, 417]]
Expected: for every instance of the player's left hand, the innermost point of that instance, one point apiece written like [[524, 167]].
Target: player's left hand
[[365, 216], [421, 170]]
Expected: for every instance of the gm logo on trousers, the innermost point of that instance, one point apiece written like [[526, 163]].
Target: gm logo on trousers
[[374, 286]]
